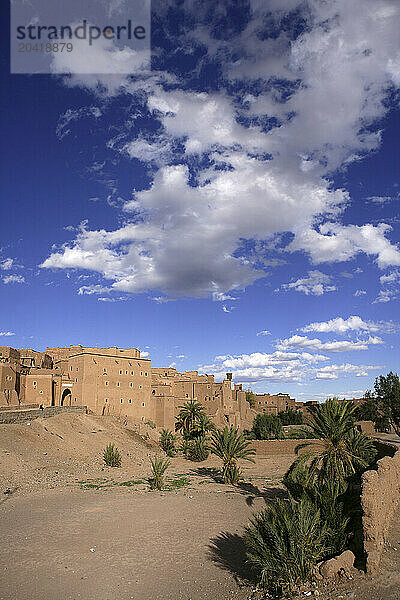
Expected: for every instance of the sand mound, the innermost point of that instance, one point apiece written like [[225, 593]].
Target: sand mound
[[64, 448]]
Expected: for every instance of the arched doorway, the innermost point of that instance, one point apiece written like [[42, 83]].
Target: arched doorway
[[66, 399]]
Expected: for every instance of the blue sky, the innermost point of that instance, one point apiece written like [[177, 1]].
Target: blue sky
[[235, 208]]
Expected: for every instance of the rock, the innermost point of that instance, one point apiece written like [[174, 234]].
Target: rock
[[335, 566]]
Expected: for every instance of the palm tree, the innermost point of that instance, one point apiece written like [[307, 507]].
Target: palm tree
[[202, 425], [188, 415], [230, 446], [339, 449]]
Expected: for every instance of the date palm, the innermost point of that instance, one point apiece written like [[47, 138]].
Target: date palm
[[339, 450], [230, 446], [188, 415]]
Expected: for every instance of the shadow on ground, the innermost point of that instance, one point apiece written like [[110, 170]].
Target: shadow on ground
[[244, 488], [228, 551]]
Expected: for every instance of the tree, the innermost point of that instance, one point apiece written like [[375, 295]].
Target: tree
[[367, 411], [290, 417], [251, 398], [386, 395], [266, 427], [339, 449], [188, 416], [167, 442], [230, 446]]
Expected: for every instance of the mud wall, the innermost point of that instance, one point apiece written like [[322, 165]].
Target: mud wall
[[276, 447], [20, 416], [379, 500]]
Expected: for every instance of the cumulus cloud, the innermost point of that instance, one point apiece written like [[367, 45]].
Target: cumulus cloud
[[305, 343], [6, 333], [340, 325], [333, 371], [89, 290], [390, 287], [264, 332], [315, 284], [244, 167]]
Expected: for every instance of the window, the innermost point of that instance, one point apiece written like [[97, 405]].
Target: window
[[143, 403], [145, 374], [121, 400], [187, 395], [70, 368], [153, 392], [105, 400], [34, 385], [126, 372], [76, 379], [131, 384], [140, 387], [106, 383], [118, 384], [41, 392], [132, 372], [130, 400], [120, 372], [141, 373]]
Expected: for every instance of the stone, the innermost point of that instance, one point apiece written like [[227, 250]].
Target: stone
[[341, 564]]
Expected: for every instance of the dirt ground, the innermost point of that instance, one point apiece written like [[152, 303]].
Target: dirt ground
[[73, 529]]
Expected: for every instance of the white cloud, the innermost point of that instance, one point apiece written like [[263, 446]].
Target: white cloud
[[113, 299], [333, 371], [390, 284], [6, 333], [189, 230], [379, 199], [264, 332], [305, 343], [6, 264], [89, 290], [14, 279], [359, 293], [340, 325], [144, 354], [316, 284], [226, 309]]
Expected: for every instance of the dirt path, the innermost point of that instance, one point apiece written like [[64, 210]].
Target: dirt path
[[147, 546]]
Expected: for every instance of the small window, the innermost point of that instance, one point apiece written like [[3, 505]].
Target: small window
[[130, 400], [143, 403], [126, 372], [106, 400], [141, 373], [121, 400], [70, 368], [131, 384], [120, 372], [118, 384], [106, 383], [41, 392], [140, 387], [76, 379], [187, 395], [76, 399], [132, 372], [34, 385], [153, 392]]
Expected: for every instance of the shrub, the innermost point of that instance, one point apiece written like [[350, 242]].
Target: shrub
[[150, 423], [290, 417], [266, 427], [230, 446], [197, 450], [159, 466], [112, 457], [285, 541], [167, 441]]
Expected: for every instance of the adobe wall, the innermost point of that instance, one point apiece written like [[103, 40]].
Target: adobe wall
[[276, 447], [20, 416], [379, 500]]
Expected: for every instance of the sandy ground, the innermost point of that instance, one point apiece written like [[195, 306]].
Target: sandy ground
[[58, 502], [74, 529]]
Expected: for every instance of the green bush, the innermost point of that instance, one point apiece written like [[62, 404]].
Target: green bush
[[197, 450], [230, 445], [167, 442], [159, 466], [150, 423], [266, 427], [284, 542], [290, 417], [111, 456]]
